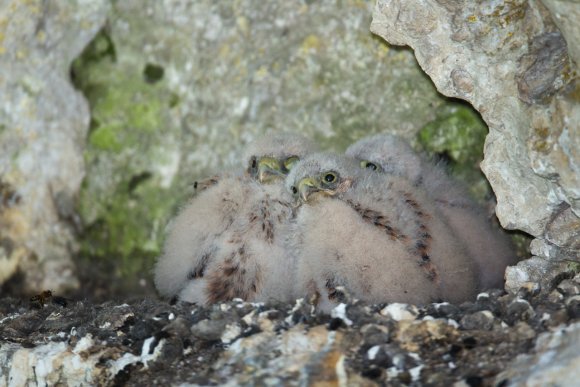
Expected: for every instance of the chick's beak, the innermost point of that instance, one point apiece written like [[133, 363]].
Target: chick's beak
[[306, 187], [269, 169]]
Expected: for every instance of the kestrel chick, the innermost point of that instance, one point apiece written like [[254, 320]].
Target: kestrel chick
[[379, 239], [489, 248], [227, 242]]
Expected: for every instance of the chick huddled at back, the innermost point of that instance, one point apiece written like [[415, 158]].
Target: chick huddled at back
[[490, 249]]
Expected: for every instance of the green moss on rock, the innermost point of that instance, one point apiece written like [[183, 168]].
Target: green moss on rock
[[574, 267], [126, 196], [458, 135]]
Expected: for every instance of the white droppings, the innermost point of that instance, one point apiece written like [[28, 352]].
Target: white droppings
[[399, 312], [106, 325], [59, 335], [373, 352], [453, 323], [415, 373], [339, 311], [483, 295], [84, 343], [428, 318], [128, 358], [11, 317], [147, 346], [439, 305], [545, 317], [299, 303], [452, 365]]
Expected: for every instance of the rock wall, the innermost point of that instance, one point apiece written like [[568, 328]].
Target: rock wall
[[43, 123], [511, 62]]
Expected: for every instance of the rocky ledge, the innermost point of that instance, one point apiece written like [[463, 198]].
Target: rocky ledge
[[500, 339]]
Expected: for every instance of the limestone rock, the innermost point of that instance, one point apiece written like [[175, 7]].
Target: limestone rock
[[554, 361], [148, 342], [511, 62], [536, 270], [566, 14], [43, 123]]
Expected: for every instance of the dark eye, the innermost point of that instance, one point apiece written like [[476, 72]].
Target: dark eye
[[372, 166], [294, 190], [253, 163], [330, 177], [369, 165]]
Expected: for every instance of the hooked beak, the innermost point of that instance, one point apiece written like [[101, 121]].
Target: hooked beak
[[306, 187], [269, 170]]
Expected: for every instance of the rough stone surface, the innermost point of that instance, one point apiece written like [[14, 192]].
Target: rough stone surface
[[510, 61], [43, 123], [566, 14], [147, 342], [536, 269], [555, 360]]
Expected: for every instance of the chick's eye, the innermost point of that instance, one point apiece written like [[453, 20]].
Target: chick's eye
[[290, 162], [253, 163], [369, 165], [372, 166], [294, 190], [330, 177]]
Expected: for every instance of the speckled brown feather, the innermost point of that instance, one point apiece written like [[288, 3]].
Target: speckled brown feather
[[423, 237], [379, 220]]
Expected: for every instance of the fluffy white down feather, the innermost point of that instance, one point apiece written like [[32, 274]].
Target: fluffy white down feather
[[228, 240], [490, 249], [354, 240]]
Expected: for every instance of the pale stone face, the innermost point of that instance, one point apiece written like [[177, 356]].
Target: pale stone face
[[518, 78]]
